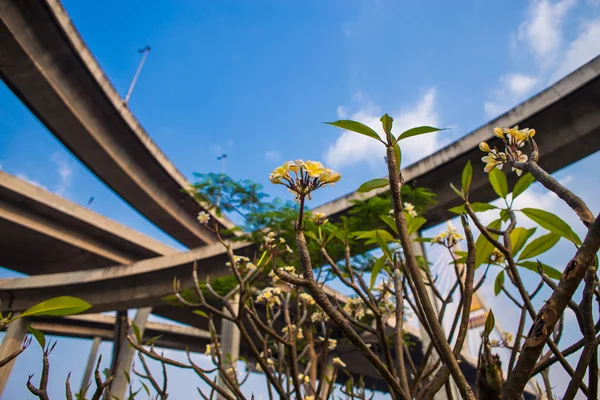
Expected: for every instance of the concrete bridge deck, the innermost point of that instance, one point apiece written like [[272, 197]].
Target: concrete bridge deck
[[48, 66]]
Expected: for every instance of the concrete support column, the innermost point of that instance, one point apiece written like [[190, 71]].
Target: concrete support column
[[328, 376], [118, 339], [13, 339], [91, 364], [126, 353], [230, 342]]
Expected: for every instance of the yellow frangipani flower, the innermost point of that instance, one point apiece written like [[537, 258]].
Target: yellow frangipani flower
[[279, 173], [483, 146], [203, 217], [338, 361], [410, 209], [498, 133], [308, 176], [313, 168], [330, 177]]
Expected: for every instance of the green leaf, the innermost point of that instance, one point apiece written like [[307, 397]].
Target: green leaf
[[38, 335], [57, 306], [200, 313], [136, 331], [522, 184], [384, 246], [518, 238], [548, 270], [539, 245], [419, 130], [390, 221], [498, 283], [127, 377], [387, 122], [357, 127], [311, 235], [490, 322], [373, 184], [375, 271], [415, 224], [398, 155], [458, 209], [483, 248], [150, 341], [504, 215], [498, 181], [458, 192], [552, 223], [385, 235], [481, 207], [145, 388], [467, 176]]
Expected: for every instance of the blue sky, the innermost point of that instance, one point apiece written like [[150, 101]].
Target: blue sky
[[256, 79]]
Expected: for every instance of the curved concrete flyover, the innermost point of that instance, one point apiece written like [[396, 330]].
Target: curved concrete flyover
[[46, 63], [566, 117], [140, 284], [41, 232], [89, 326]]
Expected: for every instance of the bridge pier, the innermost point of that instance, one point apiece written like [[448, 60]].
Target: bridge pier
[[125, 354], [230, 343], [91, 364], [13, 340]]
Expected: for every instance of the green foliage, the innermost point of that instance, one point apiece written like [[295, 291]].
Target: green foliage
[[375, 271], [398, 155], [57, 306], [522, 185], [476, 207], [357, 127], [382, 243], [373, 184], [539, 245], [386, 122], [419, 130], [136, 332], [38, 335], [498, 283], [490, 322], [518, 238], [244, 198], [483, 248], [467, 177], [498, 182], [534, 266], [552, 223]]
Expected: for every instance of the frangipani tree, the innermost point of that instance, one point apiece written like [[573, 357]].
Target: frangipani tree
[[292, 325]]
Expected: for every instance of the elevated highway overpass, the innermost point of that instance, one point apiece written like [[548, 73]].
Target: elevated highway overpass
[[48, 66], [566, 116]]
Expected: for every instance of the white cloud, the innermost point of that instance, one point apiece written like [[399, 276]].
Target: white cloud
[[65, 173], [520, 84], [351, 148], [513, 88], [273, 156], [494, 108], [549, 55], [584, 48], [542, 30]]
